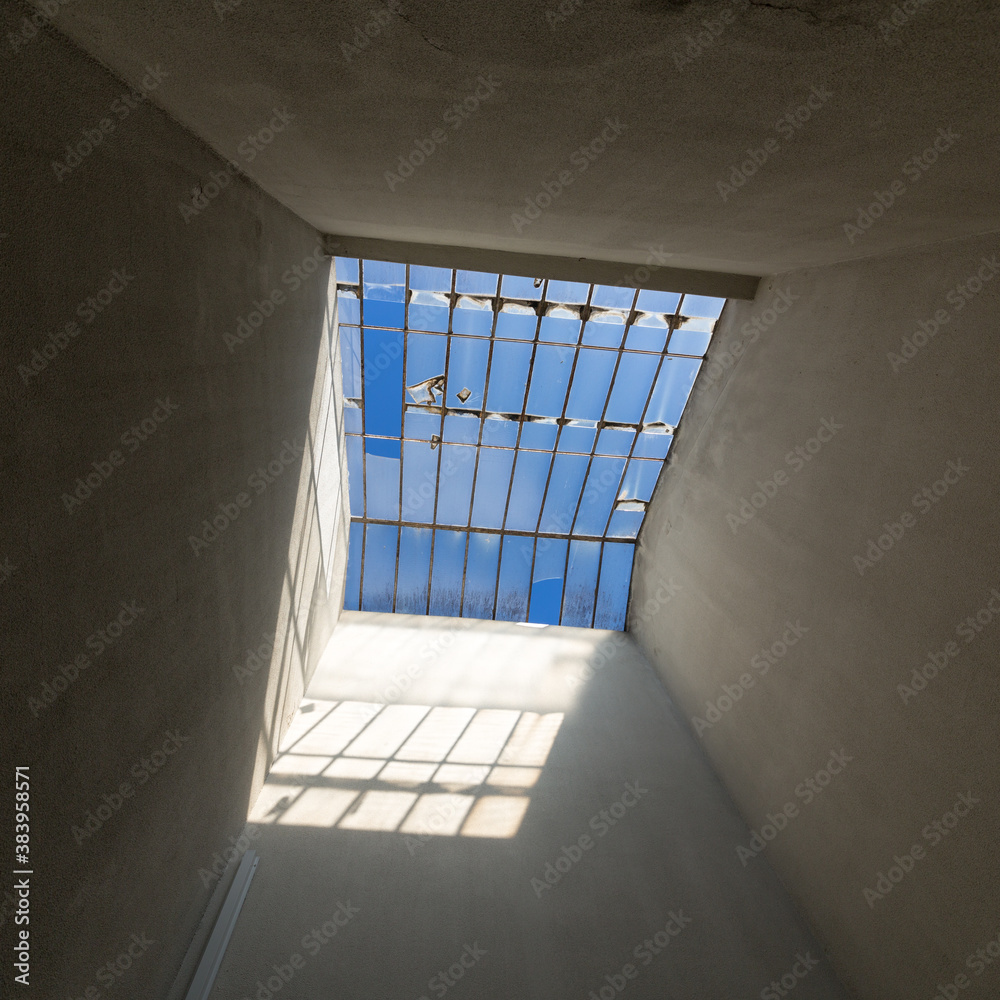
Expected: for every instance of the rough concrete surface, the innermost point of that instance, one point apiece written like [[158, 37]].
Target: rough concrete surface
[[694, 90], [153, 699], [781, 518]]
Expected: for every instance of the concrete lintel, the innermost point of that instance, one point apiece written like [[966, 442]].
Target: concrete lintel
[[719, 284]]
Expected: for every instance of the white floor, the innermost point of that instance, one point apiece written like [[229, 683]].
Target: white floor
[[492, 810]]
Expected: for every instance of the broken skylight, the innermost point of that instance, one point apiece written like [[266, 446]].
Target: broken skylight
[[504, 436]]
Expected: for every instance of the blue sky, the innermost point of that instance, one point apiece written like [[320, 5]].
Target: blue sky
[[504, 435]]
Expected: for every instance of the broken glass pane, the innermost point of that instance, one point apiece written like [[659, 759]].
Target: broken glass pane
[[516, 415]]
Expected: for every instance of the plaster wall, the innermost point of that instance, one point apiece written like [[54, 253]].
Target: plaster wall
[[444, 122], [851, 563], [126, 607]]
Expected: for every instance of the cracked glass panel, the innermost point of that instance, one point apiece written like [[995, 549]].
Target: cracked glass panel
[[504, 437]]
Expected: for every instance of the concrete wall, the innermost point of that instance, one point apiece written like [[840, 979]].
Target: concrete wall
[[624, 826], [769, 548], [154, 700], [801, 109]]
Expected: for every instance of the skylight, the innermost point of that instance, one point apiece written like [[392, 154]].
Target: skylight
[[504, 436]]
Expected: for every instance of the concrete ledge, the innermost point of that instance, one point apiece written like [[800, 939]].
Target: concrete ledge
[[604, 272]]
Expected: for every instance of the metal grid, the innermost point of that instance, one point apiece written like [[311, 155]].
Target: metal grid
[[464, 389]]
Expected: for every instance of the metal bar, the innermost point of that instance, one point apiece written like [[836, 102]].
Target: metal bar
[[597, 584], [364, 428], [590, 462], [444, 402], [402, 420], [584, 317], [506, 447], [720, 284], [555, 450], [517, 442], [479, 445], [540, 310], [523, 533], [215, 949], [556, 343]]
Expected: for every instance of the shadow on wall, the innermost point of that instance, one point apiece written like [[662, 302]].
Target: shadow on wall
[[273, 674], [439, 728], [131, 419], [469, 799], [364, 766], [312, 592]]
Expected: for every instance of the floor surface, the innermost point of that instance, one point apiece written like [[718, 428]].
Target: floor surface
[[490, 810]]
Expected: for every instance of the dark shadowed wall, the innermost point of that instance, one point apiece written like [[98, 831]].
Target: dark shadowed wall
[[134, 413]]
